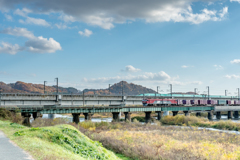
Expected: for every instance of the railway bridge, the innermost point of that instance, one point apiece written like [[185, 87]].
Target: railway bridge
[[37, 104]]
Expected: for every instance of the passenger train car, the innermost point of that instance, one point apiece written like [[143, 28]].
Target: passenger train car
[[177, 102]]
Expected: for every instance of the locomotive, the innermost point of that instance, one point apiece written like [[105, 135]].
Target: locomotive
[[178, 102]]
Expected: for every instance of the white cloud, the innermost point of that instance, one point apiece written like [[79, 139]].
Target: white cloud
[[67, 18], [105, 14], [34, 44], [61, 26], [24, 12], [130, 68], [35, 21], [218, 67], [10, 48], [85, 33], [8, 17], [235, 1], [23, 32], [184, 66], [235, 61], [42, 45], [233, 76], [30, 20]]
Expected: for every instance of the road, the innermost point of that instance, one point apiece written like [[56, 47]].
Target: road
[[9, 151]]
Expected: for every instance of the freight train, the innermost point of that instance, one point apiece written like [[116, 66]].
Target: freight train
[[177, 102]]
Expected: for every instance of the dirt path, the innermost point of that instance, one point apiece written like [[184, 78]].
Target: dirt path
[[10, 151]]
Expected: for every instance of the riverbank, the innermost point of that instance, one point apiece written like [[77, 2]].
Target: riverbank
[[181, 120], [147, 141], [55, 142]]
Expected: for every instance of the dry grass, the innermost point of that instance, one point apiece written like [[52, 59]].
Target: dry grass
[[153, 142]]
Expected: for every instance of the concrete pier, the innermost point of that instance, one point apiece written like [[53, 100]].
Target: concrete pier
[[175, 113], [198, 114], [127, 116], [36, 115], [210, 115], [115, 116], [148, 117], [230, 114], [159, 115], [187, 113], [218, 115], [76, 117], [236, 115], [88, 116], [51, 116], [26, 117]]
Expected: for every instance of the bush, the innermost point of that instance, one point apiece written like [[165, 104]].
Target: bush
[[14, 117]]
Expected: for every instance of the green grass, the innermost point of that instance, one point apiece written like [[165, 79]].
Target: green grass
[[56, 142]]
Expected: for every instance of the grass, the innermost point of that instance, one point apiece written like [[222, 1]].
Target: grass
[[153, 142], [182, 120], [55, 142]]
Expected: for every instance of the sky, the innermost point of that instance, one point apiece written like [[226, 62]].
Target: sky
[[91, 44]]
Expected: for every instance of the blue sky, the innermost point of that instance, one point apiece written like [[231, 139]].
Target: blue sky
[[90, 44]]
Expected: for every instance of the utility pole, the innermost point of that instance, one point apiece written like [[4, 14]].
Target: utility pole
[[157, 88], [238, 93], [226, 92], [122, 88], [170, 89], [208, 92], [109, 88], [44, 86], [57, 84], [195, 91]]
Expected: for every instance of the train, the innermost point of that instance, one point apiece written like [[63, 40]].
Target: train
[[198, 102]]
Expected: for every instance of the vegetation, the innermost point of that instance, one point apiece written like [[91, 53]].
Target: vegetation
[[55, 142], [153, 142], [182, 120]]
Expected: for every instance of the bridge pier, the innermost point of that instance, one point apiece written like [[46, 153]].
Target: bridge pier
[[115, 116], [218, 115], [36, 115], [187, 113], [148, 117], [198, 114], [88, 116], [127, 116], [210, 115], [175, 113], [230, 114], [76, 117], [51, 116], [236, 114], [26, 117], [159, 115]]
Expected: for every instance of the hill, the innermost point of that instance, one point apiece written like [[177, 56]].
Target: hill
[[22, 87], [116, 89]]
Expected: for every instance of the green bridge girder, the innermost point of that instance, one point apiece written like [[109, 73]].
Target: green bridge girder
[[64, 110]]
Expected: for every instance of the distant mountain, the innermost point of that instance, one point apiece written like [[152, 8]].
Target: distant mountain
[[116, 89], [21, 87]]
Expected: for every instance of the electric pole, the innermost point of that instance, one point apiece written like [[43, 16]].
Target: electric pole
[[44, 86], [195, 91], [170, 89], [57, 84], [122, 88], [157, 88], [226, 92], [238, 93], [208, 92]]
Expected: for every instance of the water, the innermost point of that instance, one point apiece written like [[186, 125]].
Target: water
[[70, 118]]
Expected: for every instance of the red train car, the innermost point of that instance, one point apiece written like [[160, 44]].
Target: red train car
[[158, 102]]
